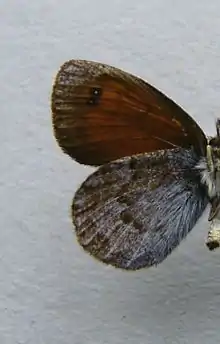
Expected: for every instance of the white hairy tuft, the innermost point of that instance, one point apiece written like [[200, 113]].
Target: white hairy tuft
[[207, 177]]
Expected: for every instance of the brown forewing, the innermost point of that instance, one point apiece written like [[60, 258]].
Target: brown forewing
[[101, 113]]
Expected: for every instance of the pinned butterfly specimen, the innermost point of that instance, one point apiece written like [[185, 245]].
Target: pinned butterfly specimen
[[157, 170]]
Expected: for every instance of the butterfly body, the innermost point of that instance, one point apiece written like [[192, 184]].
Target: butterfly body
[[157, 171], [209, 167]]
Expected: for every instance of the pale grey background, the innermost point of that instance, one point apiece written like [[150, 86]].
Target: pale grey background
[[50, 291]]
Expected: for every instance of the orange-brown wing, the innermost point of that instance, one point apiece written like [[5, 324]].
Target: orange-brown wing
[[101, 113]]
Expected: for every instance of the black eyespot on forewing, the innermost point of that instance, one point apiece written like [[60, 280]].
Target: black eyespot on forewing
[[96, 93]]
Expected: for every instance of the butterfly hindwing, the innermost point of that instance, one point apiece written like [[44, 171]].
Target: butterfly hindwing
[[131, 213], [101, 113]]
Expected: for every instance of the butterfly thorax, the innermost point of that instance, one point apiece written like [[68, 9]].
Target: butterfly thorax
[[210, 167], [210, 176]]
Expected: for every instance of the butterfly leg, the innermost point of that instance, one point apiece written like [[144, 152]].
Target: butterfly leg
[[213, 240]]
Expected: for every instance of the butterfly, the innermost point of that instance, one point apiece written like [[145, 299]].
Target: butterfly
[[156, 171]]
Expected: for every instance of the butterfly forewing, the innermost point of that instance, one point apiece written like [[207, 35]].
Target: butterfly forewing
[[133, 212], [101, 113]]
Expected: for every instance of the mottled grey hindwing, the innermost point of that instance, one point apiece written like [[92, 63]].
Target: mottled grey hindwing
[[131, 213]]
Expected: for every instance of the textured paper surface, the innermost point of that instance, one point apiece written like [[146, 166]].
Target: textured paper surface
[[51, 292]]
